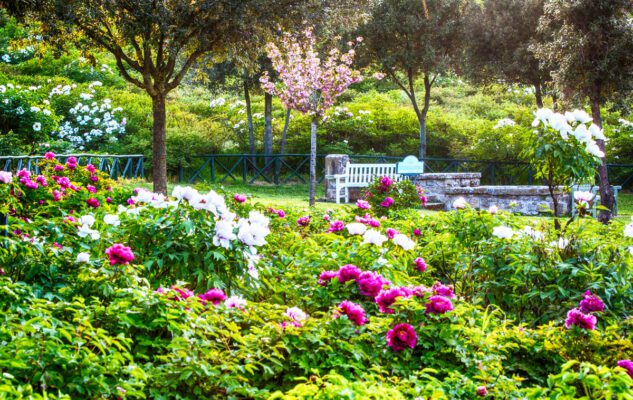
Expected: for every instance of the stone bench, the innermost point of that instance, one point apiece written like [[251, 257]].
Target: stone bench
[[435, 185], [527, 200]]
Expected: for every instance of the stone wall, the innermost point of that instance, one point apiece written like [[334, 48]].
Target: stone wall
[[527, 200], [435, 185]]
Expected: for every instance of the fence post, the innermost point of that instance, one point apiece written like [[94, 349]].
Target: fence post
[[530, 175], [181, 173], [244, 169]]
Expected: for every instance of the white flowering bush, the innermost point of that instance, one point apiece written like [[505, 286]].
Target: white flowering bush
[[563, 149]]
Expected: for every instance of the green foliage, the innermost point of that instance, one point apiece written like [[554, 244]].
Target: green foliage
[[403, 194]]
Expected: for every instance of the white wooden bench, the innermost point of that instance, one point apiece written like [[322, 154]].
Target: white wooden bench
[[361, 175]]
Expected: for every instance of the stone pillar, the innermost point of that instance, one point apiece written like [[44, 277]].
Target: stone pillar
[[334, 165]]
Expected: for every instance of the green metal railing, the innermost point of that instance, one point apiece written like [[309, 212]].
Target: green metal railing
[[116, 166]]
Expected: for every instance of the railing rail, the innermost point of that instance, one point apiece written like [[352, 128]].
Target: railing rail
[[294, 168], [116, 166]]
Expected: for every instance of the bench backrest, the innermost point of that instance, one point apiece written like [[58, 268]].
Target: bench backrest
[[366, 173]]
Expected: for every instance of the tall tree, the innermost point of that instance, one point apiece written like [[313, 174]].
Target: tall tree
[[155, 43], [500, 33], [412, 39], [591, 57], [308, 82]]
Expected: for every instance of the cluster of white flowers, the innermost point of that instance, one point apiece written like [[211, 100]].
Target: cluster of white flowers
[[503, 232], [403, 241], [85, 227], [296, 314], [220, 101], [90, 122], [572, 123], [372, 236], [18, 55], [503, 123], [356, 228], [628, 229]]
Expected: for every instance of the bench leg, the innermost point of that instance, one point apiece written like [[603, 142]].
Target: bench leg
[[346, 194], [338, 192]]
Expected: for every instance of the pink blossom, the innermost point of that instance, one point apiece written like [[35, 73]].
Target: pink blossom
[[575, 317], [6, 177], [353, 311], [303, 221], [119, 254], [348, 272], [58, 168], [363, 204], [417, 232], [424, 200], [420, 264], [391, 233], [326, 276], [402, 336], [482, 391], [443, 290], [336, 226], [387, 202], [439, 305], [387, 297], [627, 365], [591, 303], [91, 168], [92, 202], [370, 283], [91, 189], [240, 198], [49, 155], [94, 178], [214, 296]]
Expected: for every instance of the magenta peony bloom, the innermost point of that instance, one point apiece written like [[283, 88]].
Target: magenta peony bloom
[[29, 183], [281, 213], [303, 221], [443, 290], [575, 317], [438, 305], [336, 226], [424, 200], [240, 198], [370, 283], [71, 164], [214, 296], [627, 365], [130, 201], [417, 232], [482, 391], [354, 312], [49, 155], [391, 233], [401, 336], [91, 168], [420, 264], [58, 168], [57, 195], [91, 189], [348, 272], [387, 297], [363, 204], [387, 202], [591, 303], [119, 254], [368, 220], [417, 291], [182, 293], [385, 184], [92, 202], [72, 160], [326, 277], [41, 179], [108, 199], [94, 178], [326, 217], [23, 173]]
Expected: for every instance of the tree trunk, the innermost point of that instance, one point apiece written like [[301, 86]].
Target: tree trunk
[[268, 128], [313, 153], [249, 119], [422, 124], [538, 94], [606, 193], [282, 145], [159, 146]]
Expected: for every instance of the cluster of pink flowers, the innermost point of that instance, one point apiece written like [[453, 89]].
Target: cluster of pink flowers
[[213, 296], [240, 198], [363, 204], [385, 184], [303, 221], [93, 202], [402, 336], [119, 254], [417, 232], [6, 177], [582, 317], [391, 233], [420, 264], [368, 220], [280, 213], [25, 179], [71, 163], [353, 311], [336, 226], [387, 202]]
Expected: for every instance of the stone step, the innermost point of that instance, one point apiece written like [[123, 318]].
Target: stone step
[[434, 206]]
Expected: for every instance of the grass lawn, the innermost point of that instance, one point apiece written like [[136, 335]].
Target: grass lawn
[[297, 195]]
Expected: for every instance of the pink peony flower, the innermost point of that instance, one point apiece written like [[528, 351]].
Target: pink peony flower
[[591, 303], [130, 201], [354, 312], [57, 195], [214, 296], [348, 272], [385, 183], [58, 168], [627, 365], [401, 336], [91, 168], [575, 317], [240, 198], [438, 305], [92, 202], [94, 178], [6, 177], [91, 189], [182, 293], [281, 213], [326, 217], [303, 221], [336, 226], [387, 297], [108, 199], [23, 173], [326, 276], [119, 254], [370, 283], [443, 290], [387, 202], [482, 391], [424, 200], [49, 155], [391, 233], [420, 264], [363, 204], [417, 232]]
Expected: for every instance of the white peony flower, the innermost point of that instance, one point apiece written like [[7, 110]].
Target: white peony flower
[[85, 231], [112, 219], [592, 148], [561, 243], [502, 232], [235, 302], [460, 203], [372, 236], [404, 241], [83, 258], [88, 220], [596, 132], [578, 116], [628, 230], [584, 197], [534, 234], [356, 228], [224, 233], [296, 314]]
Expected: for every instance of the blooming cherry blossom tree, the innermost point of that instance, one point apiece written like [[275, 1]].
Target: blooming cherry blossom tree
[[309, 83]]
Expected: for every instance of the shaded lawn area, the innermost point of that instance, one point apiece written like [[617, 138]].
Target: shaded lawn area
[[297, 195]]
